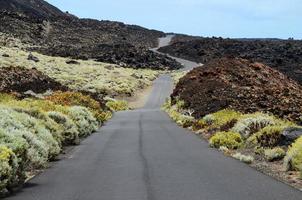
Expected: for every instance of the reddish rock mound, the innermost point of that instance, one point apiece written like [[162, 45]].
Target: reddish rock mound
[[242, 85], [15, 79]]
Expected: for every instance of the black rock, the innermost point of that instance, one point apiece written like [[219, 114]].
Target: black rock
[[289, 135], [5, 55], [33, 58], [72, 62]]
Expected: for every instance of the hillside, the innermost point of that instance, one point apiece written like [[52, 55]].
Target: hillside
[[241, 85], [48, 30], [283, 55]]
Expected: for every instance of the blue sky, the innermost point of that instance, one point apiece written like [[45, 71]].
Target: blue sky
[[226, 18]]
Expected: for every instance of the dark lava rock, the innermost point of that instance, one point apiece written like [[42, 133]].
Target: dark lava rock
[[72, 62], [33, 58], [20, 80], [283, 55], [5, 55], [241, 85], [290, 135], [34, 8], [53, 32]]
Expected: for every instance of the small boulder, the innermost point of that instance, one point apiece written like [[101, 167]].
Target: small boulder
[[290, 135], [109, 67], [72, 62], [33, 58]]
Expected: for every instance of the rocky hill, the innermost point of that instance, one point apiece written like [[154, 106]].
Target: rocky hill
[[284, 55], [241, 85], [52, 32], [36, 8]]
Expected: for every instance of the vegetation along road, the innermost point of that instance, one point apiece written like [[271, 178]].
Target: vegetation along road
[[143, 155]]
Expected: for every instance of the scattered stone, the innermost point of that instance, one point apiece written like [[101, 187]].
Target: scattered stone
[[109, 67], [33, 58], [72, 62], [290, 135]]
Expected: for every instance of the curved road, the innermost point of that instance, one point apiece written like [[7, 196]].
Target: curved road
[[143, 155]]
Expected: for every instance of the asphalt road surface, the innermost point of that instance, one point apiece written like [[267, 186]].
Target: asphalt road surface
[[143, 155]]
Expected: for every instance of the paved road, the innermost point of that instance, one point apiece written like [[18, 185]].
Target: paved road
[[143, 155]]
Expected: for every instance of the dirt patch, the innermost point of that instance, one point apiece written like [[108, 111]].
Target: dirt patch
[[241, 85]]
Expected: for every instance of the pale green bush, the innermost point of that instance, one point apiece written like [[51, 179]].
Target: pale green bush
[[274, 154], [70, 132], [8, 167], [55, 129], [38, 152], [19, 146], [250, 124], [243, 158], [84, 120]]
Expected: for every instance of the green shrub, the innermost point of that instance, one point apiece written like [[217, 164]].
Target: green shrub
[[8, 167], [84, 120], [274, 154], [243, 158], [116, 105], [38, 152], [79, 99], [19, 146], [55, 129], [231, 140], [70, 133], [293, 158], [222, 117]]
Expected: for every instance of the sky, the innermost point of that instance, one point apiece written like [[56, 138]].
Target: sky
[[224, 18]]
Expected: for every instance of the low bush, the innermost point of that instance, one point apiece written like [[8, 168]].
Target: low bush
[[79, 99], [70, 133], [252, 123], [231, 140], [222, 117], [293, 158], [274, 154], [117, 105], [243, 158], [74, 99], [84, 120], [32, 132], [8, 167]]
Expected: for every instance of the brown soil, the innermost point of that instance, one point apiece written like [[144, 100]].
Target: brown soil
[[20, 80], [241, 85]]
